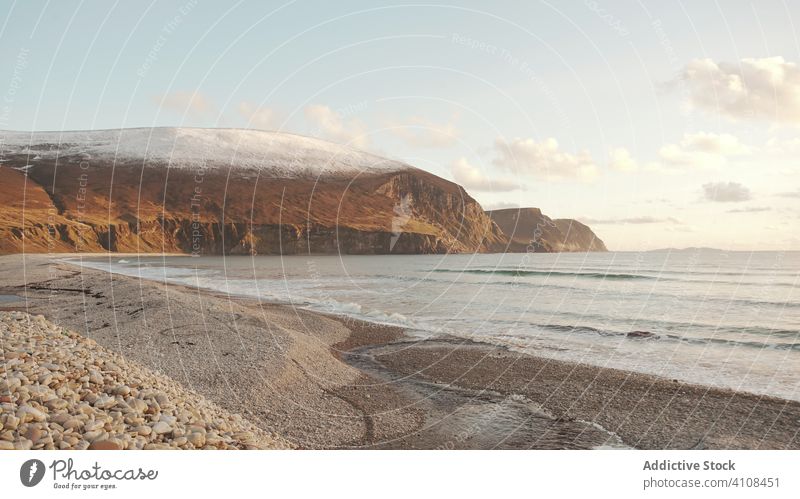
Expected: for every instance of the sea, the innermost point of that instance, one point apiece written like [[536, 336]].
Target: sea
[[718, 318]]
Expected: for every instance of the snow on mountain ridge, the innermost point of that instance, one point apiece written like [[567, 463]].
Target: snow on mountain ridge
[[278, 153]]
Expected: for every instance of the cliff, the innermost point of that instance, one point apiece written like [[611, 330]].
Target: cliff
[[528, 229], [224, 192]]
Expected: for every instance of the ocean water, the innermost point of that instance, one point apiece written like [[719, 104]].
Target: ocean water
[[725, 319]]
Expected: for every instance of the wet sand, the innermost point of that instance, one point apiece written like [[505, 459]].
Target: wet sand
[[330, 382]]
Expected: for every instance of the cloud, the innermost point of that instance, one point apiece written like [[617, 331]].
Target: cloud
[[419, 132], [620, 159], [471, 177], [330, 124], [543, 159], [500, 206], [750, 209], [726, 192], [703, 149], [194, 103], [632, 220], [781, 147], [767, 88], [790, 194], [257, 117]]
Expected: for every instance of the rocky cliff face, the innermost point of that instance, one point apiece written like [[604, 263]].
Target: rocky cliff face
[[528, 229], [578, 236], [225, 192]]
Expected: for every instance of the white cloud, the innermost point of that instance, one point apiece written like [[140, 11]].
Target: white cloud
[[543, 159], [194, 103], [767, 88], [257, 117], [631, 220], [726, 192], [620, 159], [783, 147], [750, 209], [419, 132], [712, 143], [471, 177], [330, 124], [703, 149], [500, 206], [790, 194]]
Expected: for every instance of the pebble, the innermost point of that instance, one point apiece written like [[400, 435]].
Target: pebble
[[27, 413], [161, 427], [143, 430], [196, 438], [72, 423], [105, 445], [63, 391], [105, 402], [23, 444]]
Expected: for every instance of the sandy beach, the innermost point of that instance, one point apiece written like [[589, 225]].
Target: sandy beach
[[319, 381]]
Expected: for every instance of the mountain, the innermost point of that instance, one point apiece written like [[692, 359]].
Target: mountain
[[224, 191], [530, 229]]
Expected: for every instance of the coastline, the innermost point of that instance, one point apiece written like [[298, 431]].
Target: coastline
[[323, 381]]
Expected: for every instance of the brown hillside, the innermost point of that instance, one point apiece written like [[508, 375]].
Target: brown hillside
[[82, 202]]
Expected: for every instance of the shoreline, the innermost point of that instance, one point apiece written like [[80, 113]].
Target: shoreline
[[325, 381]]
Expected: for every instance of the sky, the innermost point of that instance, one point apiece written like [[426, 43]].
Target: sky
[[659, 124]]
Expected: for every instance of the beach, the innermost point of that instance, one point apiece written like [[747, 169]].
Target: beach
[[323, 381]]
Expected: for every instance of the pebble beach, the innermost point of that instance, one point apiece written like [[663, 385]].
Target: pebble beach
[[60, 390]]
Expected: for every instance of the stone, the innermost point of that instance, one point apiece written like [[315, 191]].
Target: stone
[[161, 428], [170, 420], [93, 425], [197, 439], [35, 434], [23, 444], [56, 404], [138, 405], [73, 423], [27, 413], [11, 422], [155, 446], [105, 402], [91, 436], [95, 377], [144, 430], [60, 418], [105, 445]]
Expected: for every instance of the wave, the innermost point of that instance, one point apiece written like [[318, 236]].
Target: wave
[[612, 276], [518, 273], [642, 335], [576, 289]]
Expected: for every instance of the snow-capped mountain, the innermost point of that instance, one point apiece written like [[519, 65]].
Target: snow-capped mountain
[[271, 153], [223, 191]]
